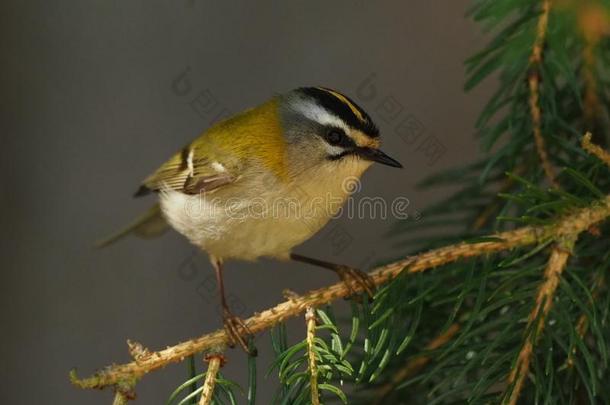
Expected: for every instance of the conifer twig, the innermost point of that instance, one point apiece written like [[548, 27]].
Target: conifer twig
[[534, 87], [214, 363], [594, 149], [310, 319], [537, 318], [120, 398], [137, 350], [124, 392]]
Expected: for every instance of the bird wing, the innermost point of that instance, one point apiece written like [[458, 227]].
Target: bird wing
[[190, 171]]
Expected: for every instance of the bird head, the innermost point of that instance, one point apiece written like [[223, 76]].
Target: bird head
[[324, 127]]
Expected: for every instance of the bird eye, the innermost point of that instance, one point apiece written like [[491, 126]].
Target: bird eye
[[335, 136]]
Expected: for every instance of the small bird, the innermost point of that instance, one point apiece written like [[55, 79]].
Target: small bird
[[264, 181]]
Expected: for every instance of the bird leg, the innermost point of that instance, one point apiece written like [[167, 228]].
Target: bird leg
[[235, 328], [349, 275]]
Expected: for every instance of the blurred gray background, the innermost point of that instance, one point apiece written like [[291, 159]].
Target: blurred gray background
[[89, 108]]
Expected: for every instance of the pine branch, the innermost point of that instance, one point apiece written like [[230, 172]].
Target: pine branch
[[137, 350], [310, 319], [534, 84], [120, 399], [568, 226], [124, 392], [535, 324], [595, 150], [214, 363]]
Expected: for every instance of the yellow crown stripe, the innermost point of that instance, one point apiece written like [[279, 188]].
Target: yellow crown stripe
[[344, 100]]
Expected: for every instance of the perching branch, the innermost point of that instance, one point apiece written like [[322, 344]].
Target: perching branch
[[569, 226]]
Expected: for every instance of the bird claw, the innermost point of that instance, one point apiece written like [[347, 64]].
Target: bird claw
[[351, 276], [237, 331]]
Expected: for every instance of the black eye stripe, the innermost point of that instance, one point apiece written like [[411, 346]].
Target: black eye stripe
[[337, 137]]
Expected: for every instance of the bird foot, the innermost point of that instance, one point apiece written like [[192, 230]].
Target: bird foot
[[353, 278], [237, 331]]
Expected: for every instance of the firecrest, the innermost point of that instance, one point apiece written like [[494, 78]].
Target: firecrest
[[264, 181]]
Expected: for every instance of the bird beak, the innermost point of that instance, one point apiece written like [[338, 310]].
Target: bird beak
[[375, 155]]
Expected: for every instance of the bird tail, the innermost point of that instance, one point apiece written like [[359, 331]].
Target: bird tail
[[147, 226]]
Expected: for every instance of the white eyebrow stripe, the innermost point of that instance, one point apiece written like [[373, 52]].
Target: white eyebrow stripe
[[333, 150], [319, 114]]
